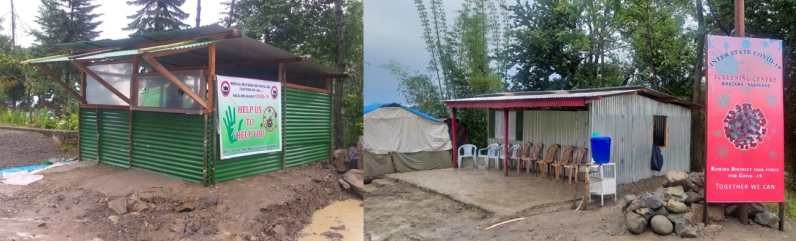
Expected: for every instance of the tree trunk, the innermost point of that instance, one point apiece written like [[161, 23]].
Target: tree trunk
[[231, 17], [697, 112], [338, 86]]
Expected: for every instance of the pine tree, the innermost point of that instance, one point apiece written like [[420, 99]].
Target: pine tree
[[157, 15], [63, 21]]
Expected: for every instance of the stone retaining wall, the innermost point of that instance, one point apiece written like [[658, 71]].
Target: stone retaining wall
[[60, 137]]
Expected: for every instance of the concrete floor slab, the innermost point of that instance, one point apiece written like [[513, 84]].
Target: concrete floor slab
[[491, 190]]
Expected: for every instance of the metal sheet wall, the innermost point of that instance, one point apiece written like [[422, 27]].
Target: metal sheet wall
[[307, 128], [246, 166], [169, 143], [88, 134], [550, 127], [114, 141], [628, 119], [556, 127]]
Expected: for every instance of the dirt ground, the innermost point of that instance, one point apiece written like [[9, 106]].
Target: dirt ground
[[397, 211], [24, 147], [74, 205]]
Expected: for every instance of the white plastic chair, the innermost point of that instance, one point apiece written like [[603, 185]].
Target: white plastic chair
[[515, 154], [491, 152], [467, 150]]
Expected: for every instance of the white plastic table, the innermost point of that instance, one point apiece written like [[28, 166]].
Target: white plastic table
[[602, 181]]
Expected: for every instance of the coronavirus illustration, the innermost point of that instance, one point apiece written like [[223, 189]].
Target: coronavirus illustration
[[745, 126]]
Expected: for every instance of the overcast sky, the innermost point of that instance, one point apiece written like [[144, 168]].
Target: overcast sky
[[114, 17], [393, 32]]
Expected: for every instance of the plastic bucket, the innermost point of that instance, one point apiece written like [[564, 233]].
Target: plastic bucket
[[601, 149]]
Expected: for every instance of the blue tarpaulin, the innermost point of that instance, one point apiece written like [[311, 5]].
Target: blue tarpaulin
[[375, 106]]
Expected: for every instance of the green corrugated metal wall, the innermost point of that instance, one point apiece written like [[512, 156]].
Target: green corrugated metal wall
[[307, 128], [173, 144], [169, 143], [88, 134], [114, 129]]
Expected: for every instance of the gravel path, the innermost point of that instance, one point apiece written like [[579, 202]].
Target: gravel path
[[24, 147]]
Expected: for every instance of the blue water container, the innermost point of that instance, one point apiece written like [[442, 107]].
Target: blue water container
[[601, 149]]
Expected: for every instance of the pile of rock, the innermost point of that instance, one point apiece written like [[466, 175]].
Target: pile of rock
[[678, 208]]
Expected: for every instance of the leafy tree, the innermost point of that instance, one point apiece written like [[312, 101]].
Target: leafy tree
[[308, 27], [418, 90], [662, 51], [548, 44], [157, 15]]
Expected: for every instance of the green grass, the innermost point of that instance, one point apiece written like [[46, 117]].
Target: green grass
[[790, 206], [38, 118]]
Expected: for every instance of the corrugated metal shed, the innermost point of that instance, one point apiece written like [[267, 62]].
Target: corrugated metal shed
[[628, 120], [625, 114]]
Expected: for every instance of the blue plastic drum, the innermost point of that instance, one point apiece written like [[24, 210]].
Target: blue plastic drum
[[601, 149]]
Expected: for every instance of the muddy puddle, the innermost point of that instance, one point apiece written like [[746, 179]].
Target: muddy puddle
[[339, 221]]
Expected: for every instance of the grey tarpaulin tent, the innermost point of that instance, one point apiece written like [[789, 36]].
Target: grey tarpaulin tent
[[400, 139]]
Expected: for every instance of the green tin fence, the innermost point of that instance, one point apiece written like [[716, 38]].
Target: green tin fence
[[186, 146], [307, 128]]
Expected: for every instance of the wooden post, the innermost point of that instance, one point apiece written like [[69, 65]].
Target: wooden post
[[211, 76], [740, 27], [454, 141], [505, 141], [281, 76], [100, 80], [130, 112], [173, 79]]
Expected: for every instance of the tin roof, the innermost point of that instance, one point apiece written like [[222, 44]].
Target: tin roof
[[558, 98], [231, 48]]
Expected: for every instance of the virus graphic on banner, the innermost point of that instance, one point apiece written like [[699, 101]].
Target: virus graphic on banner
[[269, 116], [745, 126]]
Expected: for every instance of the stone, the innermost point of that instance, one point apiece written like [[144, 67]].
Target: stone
[[647, 213], [716, 213], [153, 195], [713, 228], [731, 210], [680, 222], [343, 184], [676, 206], [697, 178], [767, 219], [114, 219], [689, 232], [627, 200], [210, 200], [279, 230], [636, 204], [652, 201], [355, 178], [187, 206], [662, 211], [178, 226], [676, 193], [139, 206], [119, 205], [692, 197], [756, 208], [697, 211], [661, 225], [676, 177], [635, 223]]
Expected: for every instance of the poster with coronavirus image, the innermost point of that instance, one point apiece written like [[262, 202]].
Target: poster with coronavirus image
[[744, 120], [249, 116]]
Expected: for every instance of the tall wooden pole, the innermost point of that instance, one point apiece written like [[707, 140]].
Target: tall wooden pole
[[454, 141], [740, 28], [505, 141], [13, 25]]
